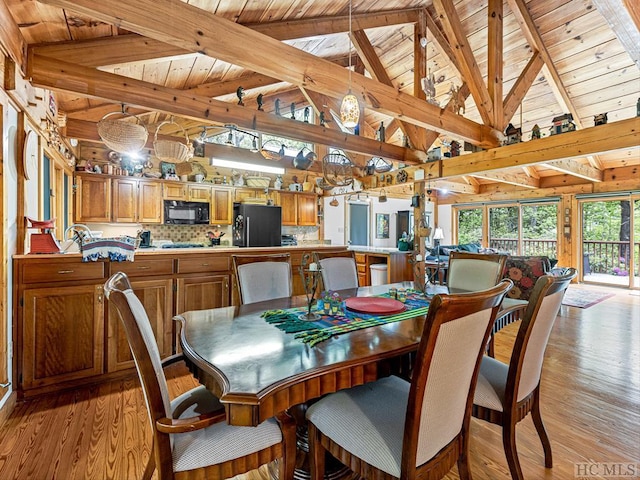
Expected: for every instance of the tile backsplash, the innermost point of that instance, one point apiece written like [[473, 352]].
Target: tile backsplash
[[187, 233]]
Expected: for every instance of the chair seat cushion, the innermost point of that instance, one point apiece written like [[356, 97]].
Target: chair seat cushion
[[367, 420], [220, 442], [492, 381]]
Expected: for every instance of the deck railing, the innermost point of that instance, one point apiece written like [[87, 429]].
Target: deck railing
[[609, 257]]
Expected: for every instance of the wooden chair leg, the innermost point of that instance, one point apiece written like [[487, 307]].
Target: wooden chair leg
[[287, 464], [542, 433], [510, 450], [151, 466], [317, 454], [464, 471]]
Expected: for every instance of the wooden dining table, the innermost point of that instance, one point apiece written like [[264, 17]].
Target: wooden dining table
[[257, 370]]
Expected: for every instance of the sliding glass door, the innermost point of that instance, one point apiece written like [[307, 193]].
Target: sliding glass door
[[611, 240]]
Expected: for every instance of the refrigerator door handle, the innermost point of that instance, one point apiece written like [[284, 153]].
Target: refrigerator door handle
[[246, 235]]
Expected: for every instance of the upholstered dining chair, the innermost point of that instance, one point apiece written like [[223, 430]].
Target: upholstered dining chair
[[393, 428], [190, 435], [338, 270], [472, 272], [263, 277], [507, 393]]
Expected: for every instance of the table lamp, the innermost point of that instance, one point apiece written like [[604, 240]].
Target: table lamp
[[438, 235]]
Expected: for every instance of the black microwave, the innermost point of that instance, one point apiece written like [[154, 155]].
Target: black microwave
[[185, 213]]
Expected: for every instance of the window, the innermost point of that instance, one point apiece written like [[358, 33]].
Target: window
[[470, 225], [503, 229]]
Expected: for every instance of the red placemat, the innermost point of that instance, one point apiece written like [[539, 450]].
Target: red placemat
[[374, 305]]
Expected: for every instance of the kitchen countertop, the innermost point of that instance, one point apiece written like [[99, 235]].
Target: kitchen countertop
[[365, 249]]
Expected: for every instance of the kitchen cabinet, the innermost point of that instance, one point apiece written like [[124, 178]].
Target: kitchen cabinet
[[92, 198], [202, 292], [221, 211], [240, 194], [199, 193], [174, 191], [298, 209], [136, 201], [151, 280]]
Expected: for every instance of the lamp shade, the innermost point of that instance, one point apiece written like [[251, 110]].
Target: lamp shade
[[438, 234], [349, 111]]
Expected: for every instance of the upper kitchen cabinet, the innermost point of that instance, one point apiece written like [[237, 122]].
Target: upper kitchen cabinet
[[241, 194], [199, 193], [298, 209], [221, 206], [92, 198], [175, 191], [136, 201]]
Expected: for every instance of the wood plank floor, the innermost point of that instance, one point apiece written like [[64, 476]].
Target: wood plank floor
[[590, 404]]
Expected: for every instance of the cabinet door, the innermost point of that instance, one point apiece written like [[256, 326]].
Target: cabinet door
[[288, 202], [199, 193], [307, 210], [200, 293], [221, 207], [62, 335], [92, 198], [175, 191], [157, 298], [125, 200], [240, 194], [150, 202]]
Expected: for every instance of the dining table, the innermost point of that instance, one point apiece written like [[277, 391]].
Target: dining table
[[258, 370]]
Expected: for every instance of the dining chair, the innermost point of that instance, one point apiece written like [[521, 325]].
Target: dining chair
[[338, 270], [393, 428], [474, 271], [190, 435], [262, 277], [507, 392]]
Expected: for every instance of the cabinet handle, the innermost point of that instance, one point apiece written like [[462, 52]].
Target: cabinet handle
[[143, 267], [62, 272], [204, 264]]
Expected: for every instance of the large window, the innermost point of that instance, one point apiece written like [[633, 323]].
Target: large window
[[520, 229]]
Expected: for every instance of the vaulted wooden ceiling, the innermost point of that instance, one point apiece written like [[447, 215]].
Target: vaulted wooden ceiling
[[512, 62]]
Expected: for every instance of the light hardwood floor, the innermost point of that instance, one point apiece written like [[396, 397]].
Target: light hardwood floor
[[590, 405]]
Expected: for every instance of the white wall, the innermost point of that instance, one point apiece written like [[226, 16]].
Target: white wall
[[10, 188], [390, 207], [334, 221], [444, 222]]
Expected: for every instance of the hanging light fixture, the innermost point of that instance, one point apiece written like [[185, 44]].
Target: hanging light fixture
[[349, 109]]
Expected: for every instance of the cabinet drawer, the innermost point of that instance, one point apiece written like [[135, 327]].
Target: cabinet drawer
[[139, 268], [62, 272], [361, 258], [203, 264], [361, 268]]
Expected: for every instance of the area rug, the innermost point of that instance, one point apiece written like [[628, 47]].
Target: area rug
[[584, 298]]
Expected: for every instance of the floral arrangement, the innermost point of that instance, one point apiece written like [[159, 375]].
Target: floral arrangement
[[330, 302]]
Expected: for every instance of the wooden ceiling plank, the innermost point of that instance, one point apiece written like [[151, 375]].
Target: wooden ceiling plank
[[226, 87], [196, 30], [521, 87], [576, 169], [56, 75], [456, 187], [466, 60], [495, 61], [11, 37]]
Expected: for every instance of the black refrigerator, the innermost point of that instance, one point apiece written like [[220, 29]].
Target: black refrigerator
[[257, 225]]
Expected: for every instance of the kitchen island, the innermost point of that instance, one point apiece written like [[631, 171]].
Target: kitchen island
[[66, 334], [398, 266]]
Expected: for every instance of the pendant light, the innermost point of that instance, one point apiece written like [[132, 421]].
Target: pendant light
[[349, 109]]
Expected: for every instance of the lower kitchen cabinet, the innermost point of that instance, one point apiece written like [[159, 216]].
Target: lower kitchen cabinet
[[63, 335], [202, 292], [157, 298]]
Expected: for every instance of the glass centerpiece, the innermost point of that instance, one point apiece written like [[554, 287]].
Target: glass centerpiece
[[310, 272]]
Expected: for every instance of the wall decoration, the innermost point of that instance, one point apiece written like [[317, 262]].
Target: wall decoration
[[382, 225]]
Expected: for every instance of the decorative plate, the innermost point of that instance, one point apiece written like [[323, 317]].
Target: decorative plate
[[374, 305]]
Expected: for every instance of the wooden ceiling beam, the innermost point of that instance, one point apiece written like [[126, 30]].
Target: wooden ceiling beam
[[519, 179], [520, 88], [577, 170], [442, 44], [466, 60], [11, 37], [494, 63], [226, 87], [198, 30], [619, 19], [372, 63], [56, 75], [120, 49]]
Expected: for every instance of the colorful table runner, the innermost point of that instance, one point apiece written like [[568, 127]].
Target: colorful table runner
[[345, 321]]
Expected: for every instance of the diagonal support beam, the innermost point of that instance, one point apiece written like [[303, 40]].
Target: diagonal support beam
[[466, 60], [520, 88], [197, 30], [494, 64]]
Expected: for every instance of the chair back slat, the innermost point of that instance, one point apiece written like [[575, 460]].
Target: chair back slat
[[474, 271], [446, 369], [531, 342]]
